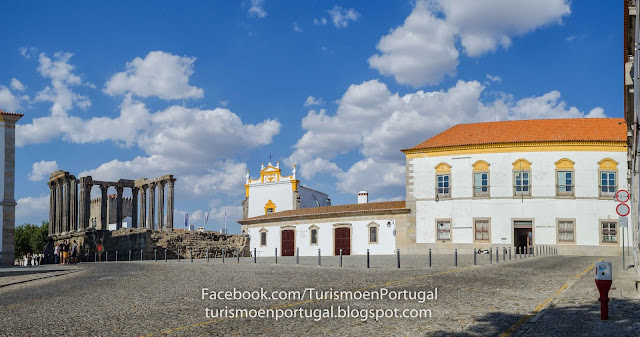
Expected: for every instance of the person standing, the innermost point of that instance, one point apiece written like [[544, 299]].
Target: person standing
[[99, 249], [65, 252], [56, 254], [74, 253]]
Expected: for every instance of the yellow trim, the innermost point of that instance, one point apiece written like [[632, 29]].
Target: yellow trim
[[521, 164], [481, 165], [294, 184], [564, 164], [246, 191], [604, 146], [269, 204], [608, 164], [443, 168]]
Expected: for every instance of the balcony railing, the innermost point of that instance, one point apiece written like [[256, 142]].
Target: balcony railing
[[522, 191], [565, 190], [607, 192], [443, 192]]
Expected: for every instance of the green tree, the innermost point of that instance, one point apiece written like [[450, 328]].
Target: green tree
[[30, 238]]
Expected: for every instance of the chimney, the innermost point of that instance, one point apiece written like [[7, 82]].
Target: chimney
[[363, 197]]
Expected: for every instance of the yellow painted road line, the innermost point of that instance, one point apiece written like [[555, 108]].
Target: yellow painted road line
[[166, 332], [545, 303]]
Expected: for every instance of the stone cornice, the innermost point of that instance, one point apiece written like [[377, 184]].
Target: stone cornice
[[277, 218]]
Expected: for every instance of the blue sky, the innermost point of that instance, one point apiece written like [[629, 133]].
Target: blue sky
[[205, 90]]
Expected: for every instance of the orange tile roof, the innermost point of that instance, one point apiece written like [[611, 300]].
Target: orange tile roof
[[10, 113], [331, 210], [535, 130]]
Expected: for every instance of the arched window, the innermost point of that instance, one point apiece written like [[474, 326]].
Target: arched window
[[565, 183], [443, 180], [481, 179], [263, 237], [269, 207], [374, 232], [313, 235], [521, 178], [608, 169]]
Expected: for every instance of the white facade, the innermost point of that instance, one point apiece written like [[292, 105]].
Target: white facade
[[505, 211]]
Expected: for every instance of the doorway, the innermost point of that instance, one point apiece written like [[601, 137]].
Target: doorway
[[288, 243], [523, 235], [342, 237]]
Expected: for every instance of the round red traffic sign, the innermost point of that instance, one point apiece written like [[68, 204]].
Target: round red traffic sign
[[623, 209], [622, 196]]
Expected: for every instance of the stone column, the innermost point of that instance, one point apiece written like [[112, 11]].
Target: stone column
[[73, 210], [8, 225], [170, 205], [161, 205], [119, 190], [143, 207], [87, 205], [81, 202], [52, 207], [134, 207], [103, 223], [152, 205], [59, 197]]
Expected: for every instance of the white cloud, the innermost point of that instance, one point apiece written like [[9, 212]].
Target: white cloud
[[8, 101], [313, 101], [494, 78], [17, 85], [378, 123], [257, 9], [423, 50], [32, 210], [27, 52], [321, 21], [41, 170], [297, 28], [570, 38], [159, 74], [341, 16]]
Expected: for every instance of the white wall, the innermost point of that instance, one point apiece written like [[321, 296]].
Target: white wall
[[280, 193], [359, 238], [544, 208]]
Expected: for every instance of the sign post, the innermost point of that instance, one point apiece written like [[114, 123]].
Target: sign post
[[623, 210]]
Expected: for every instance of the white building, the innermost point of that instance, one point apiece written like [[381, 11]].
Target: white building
[[281, 215], [518, 183]]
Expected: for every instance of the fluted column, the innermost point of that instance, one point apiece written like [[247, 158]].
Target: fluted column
[[52, 207], [119, 190], [81, 202], [65, 205], [134, 207], [103, 224], [73, 209], [161, 205], [87, 206], [152, 205], [170, 205], [59, 195], [143, 207]]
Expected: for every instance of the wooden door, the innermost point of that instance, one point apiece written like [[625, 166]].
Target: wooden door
[[342, 241], [288, 244]]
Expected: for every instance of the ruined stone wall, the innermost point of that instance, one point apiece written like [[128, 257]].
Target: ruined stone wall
[[148, 241]]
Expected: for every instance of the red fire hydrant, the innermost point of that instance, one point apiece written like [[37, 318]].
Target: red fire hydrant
[[603, 282]]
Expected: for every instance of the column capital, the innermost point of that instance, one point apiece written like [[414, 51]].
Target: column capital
[[135, 189], [119, 188]]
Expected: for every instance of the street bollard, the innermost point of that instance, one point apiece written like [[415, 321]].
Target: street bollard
[[179, 255], [398, 255], [603, 282], [297, 255], [191, 254], [475, 262], [497, 255], [509, 253], [95, 257], [490, 255], [223, 254], [455, 259], [238, 256], [207, 255], [429, 257], [165, 255], [141, 255], [504, 254], [318, 257], [340, 258], [155, 255], [116, 256], [106, 256], [129, 256], [276, 255], [255, 256], [368, 265], [537, 253]]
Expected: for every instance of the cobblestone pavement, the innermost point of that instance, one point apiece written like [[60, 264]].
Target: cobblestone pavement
[[155, 298], [577, 311]]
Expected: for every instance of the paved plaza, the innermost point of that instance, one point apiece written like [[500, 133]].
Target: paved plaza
[[536, 296]]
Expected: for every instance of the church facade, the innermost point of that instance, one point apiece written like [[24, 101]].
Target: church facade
[[513, 184]]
